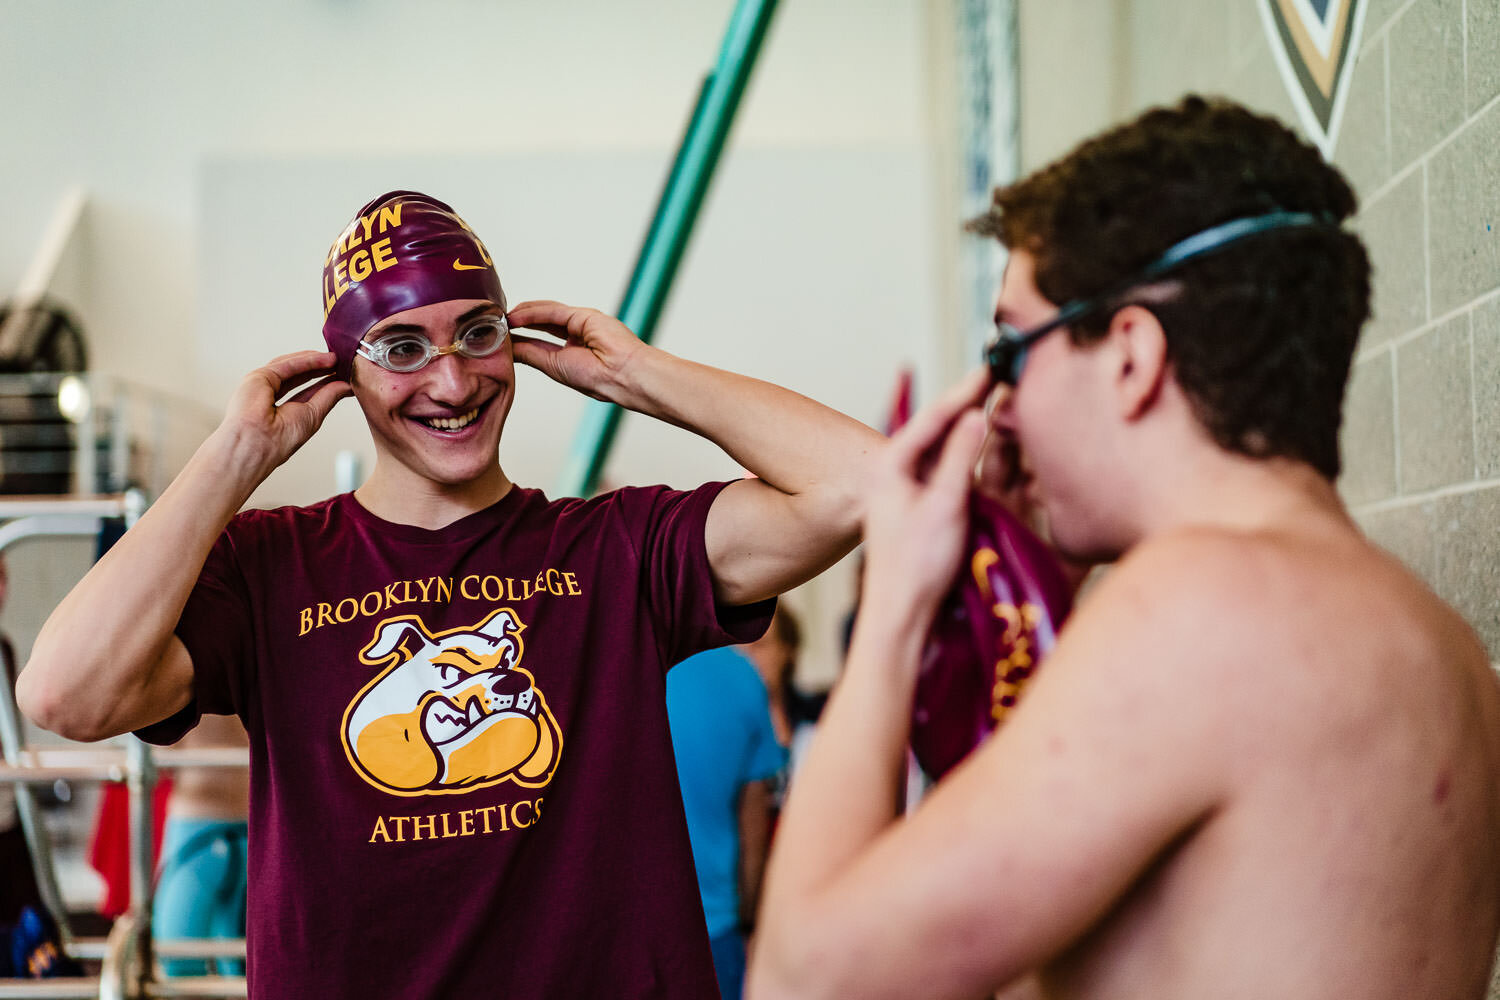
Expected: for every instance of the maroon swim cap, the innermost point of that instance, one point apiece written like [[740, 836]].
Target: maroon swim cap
[[403, 250], [990, 634]]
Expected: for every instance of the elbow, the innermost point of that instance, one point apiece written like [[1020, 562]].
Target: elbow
[[847, 507], [34, 700], [43, 702], [793, 963]]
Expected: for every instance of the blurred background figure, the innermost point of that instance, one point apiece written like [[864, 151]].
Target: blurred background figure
[[28, 941], [794, 712], [728, 759], [17, 883], [202, 879], [775, 657]]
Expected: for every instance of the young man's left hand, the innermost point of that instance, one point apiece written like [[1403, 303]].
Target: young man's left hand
[[916, 513], [595, 353]]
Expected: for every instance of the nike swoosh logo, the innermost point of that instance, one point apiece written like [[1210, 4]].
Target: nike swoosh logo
[[467, 267]]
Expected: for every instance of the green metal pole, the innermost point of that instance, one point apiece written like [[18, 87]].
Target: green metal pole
[[676, 211]]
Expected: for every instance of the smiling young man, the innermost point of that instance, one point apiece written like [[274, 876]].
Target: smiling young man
[[1263, 760], [461, 777]]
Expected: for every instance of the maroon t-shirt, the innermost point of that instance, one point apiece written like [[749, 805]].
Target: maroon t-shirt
[[462, 781]]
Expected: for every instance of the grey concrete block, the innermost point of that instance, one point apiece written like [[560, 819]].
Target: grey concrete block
[[1435, 423], [1467, 544], [1427, 77], [1486, 326], [1379, 13], [1483, 53], [1174, 50], [1362, 149], [1464, 207], [1392, 228], [1156, 81], [1406, 533], [1247, 30], [1367, 439], [1258, 84]]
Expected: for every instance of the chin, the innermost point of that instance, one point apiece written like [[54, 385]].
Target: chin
[[460, 472], [1087, 548]]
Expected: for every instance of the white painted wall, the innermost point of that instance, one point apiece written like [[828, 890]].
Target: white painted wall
[[813, 265]]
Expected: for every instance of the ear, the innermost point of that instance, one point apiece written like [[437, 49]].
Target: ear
[[402, 634], [499, 625], [1140, 347]]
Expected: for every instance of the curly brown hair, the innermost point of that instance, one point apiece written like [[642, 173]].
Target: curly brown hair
[[1261, 334]]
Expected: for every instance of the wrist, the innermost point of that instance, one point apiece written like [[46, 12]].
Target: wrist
[[239, 458], [897, 604], [638, 383], [896, 625]]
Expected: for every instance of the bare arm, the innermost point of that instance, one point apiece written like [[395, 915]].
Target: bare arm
[[764, 535], [1029, 842], [106, 660], [755, 844]]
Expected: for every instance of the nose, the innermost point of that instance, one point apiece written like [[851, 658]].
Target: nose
[[449, 378], [1002, 412]]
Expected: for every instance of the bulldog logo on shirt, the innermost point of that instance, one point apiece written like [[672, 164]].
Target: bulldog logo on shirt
[[453, 711]]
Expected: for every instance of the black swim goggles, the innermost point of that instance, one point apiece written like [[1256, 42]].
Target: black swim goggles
[[1006, 354]]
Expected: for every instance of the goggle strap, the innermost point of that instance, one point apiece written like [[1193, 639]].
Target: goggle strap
[[1212, 239], [1228, 233]]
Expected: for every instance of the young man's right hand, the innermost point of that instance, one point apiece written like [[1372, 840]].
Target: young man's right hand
[[274, 431]]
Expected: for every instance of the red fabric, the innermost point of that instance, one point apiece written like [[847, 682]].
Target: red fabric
[[109, 853], [901, 403]]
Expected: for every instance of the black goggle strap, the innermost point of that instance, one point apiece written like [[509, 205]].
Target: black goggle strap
[[1005, 352]]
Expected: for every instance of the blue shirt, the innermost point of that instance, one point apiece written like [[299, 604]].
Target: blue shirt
[[721, 734]]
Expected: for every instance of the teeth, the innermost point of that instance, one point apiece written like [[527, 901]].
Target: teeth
[[451, 423], [474, 713], [441, 724]]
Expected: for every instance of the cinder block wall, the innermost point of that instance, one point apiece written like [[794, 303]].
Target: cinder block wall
[[1422, 144], [1420, 141]]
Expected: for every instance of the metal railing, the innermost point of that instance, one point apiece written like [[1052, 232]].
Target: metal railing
[[128, 955]]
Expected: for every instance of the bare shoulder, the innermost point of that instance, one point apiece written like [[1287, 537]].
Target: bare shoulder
[[1319, 620]]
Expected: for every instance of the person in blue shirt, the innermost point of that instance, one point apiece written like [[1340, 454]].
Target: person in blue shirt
[[727, 758]]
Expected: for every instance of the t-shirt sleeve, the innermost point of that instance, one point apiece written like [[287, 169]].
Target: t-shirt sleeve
[[215, 627], [679, 583]]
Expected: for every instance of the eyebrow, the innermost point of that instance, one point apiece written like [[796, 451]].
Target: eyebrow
[[1004, 315], [480, 310]]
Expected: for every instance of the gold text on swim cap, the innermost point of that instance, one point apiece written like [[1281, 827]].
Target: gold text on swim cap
[[358, 264]]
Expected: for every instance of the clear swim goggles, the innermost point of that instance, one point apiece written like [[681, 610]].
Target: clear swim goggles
[[409, 351]]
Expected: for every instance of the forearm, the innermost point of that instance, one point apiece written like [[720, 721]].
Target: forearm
[[97, 649], [792, 443], [842, 801], [802, 512]]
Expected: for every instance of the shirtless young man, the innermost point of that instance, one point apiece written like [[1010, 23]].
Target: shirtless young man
[[461, 775], [1263, 759]]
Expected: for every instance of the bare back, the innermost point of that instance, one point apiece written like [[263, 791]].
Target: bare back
[[1352, 851], [212, 792]]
